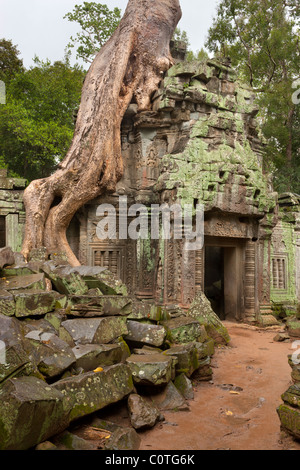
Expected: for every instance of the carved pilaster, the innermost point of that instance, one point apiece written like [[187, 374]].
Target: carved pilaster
[[199, 271], [188, 277], [250, 281]]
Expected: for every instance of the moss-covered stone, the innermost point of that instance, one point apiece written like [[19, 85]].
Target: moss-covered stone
[[92, 391], [153, 369], [184, 386], [290, 419], [65, 279], [183, 330], [187, 358], [143, 333], [100, 330], [29, 281], [107, 305], [33, 302], [293, 327], [292, 396], [7, 303], [30, 412], [91, 356], [201, 310]]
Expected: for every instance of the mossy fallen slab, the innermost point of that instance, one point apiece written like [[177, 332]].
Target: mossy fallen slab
[[31, 411], [100, 330], [29, 281], [152, 369], [108, 305], [92, 391], [183, 330], [290, 419], [152, 335], [91, 356], [33, 302]]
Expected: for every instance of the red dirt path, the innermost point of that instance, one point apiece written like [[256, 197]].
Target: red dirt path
[[244, 420]]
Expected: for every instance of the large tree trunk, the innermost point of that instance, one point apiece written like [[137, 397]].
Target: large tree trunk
[[130, 65]]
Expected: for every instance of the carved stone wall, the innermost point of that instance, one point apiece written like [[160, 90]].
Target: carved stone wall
[[199, 145]]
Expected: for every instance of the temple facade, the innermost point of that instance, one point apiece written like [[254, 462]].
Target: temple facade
[[198, 147]]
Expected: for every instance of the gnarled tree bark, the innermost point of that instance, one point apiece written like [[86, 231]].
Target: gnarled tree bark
[[130, 65]]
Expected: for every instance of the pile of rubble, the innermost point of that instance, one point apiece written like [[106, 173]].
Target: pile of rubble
[[73, 342]]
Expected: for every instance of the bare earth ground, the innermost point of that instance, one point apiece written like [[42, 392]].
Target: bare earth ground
[[237, 409]]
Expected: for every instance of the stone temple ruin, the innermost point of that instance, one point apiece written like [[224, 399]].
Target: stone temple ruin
[[200, 144], [147, 312]]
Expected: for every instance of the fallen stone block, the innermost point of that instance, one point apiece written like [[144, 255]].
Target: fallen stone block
[[103, 305], [289, 419], [20, 269], [31, 411], [30, 281], [69, 441], [205, 349], [142, 414], [147, 311], [153, 369], [170, 399], [296, 374], [7, 303], [182, 330], [90, 356], [147, 350], [33, 302], [6, 257], [204, 371], [121, 438], [101, 278], [292, 395], [201, 311], [14, 361], [49, 353], [153, 335], [293, 327], [187, 358], [101, 330], [92, 391], [184, 386], [65, 279]]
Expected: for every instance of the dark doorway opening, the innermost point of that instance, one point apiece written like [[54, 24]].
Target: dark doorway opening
[[214, 279], [221, 282], [2, 231]]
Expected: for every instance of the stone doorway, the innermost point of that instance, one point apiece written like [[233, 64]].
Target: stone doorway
[[223, 277]]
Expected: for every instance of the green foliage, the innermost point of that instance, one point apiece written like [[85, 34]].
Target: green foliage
[[97, 23], [36, 123], [181, 37], [10, 63], [262, 39]]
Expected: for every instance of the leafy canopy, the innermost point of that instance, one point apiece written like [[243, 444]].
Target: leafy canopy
[[262, 39], [37, 122], [97, 23]]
